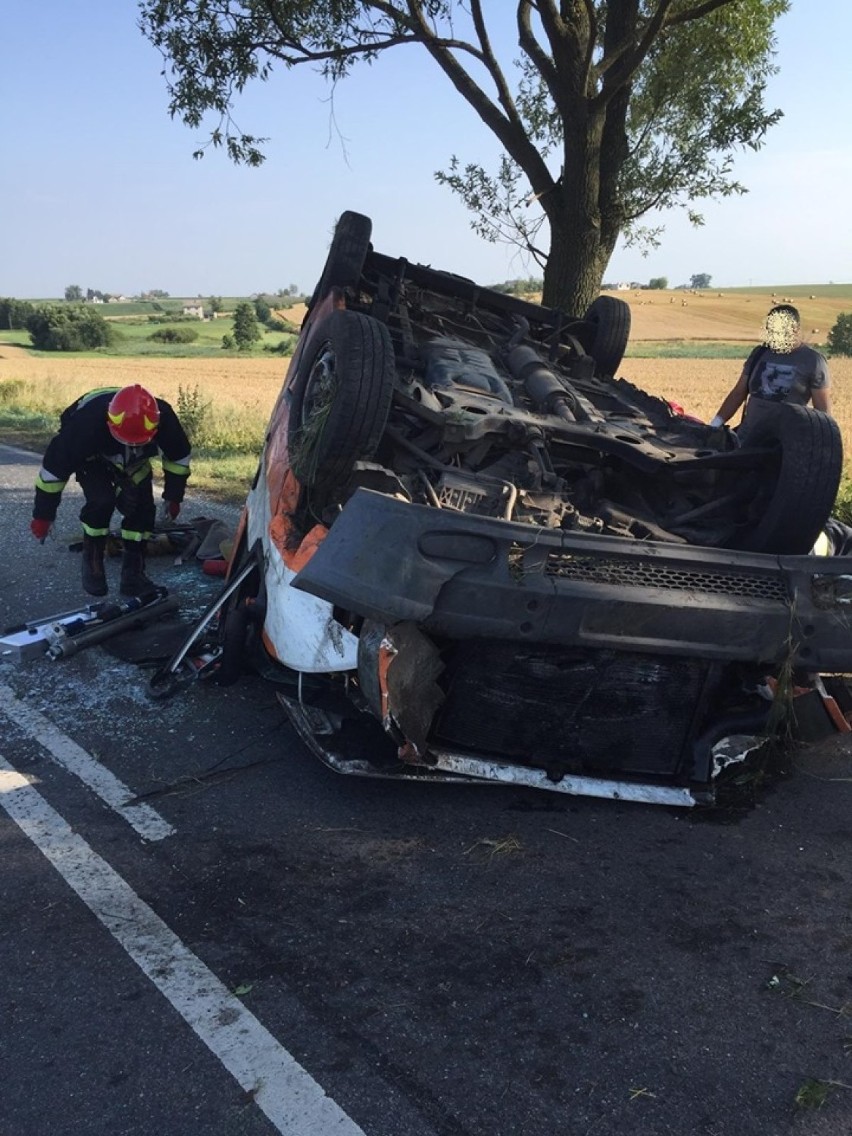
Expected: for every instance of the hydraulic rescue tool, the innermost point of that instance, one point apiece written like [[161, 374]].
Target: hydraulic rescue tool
[[59, 636]]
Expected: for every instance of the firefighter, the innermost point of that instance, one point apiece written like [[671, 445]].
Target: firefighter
[[107, 439]]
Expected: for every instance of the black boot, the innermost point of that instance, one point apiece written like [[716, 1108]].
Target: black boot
[[94, 577], [134, 582]]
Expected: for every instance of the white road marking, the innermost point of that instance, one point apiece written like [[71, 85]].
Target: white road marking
[[281, 1088], [147, 821]]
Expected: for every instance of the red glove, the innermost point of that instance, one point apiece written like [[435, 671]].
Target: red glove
[[40, 529], [172, 508]]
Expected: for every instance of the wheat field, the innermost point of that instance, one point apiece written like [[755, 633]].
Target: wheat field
[[699, 385], [729, 316], [235, 386]]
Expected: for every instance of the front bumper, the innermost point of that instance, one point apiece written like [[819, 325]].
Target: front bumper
[[469, 577]]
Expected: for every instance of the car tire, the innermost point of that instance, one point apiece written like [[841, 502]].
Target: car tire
[[346, 254], [610, 330], [788, 512], [341, 407]]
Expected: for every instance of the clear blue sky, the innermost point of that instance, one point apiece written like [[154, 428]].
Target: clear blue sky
[[98, 186]]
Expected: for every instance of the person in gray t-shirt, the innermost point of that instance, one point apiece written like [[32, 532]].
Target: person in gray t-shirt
[[783, 369]]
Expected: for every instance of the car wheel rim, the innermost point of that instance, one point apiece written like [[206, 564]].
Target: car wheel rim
[[321, 388], [320, 392]]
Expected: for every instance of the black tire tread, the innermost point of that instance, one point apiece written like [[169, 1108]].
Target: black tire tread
[[808, 479], [358, 415], [346, 254], [610, 318]]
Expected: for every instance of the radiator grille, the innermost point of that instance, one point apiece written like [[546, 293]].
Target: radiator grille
[[647, 574]]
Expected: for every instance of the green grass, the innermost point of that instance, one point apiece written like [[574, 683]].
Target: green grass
[[174, 304], [17, 336], [830, 291], [133, 339], [843, 502], [683, 349], [141, 308], [170, 306], [226, 444], [31, 429], [225, 479]]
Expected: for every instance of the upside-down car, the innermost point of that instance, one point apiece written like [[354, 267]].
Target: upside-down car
[[471, 552]]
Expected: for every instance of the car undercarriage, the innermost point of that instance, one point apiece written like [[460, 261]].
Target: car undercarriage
[[481, 403], [472, 553]]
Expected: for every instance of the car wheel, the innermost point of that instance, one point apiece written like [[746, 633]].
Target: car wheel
[[346, 254], [340, 411], [610, 322], [791, 504]]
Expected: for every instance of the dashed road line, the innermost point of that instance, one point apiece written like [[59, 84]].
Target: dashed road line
[[146, 820], [291, 1099]]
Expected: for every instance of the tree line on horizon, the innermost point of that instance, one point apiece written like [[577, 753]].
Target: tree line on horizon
[[74, 294]]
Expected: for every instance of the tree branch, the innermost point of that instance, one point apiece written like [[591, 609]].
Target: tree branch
[[696, 13], [593, 35], [493, 67], [510, 133], [373, 42], [530, 45], [620, 67]]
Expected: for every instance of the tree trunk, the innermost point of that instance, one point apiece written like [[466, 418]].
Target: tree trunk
[[582, 233], [575, 265]]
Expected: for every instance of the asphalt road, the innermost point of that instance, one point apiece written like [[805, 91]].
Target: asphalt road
[[203, 930]]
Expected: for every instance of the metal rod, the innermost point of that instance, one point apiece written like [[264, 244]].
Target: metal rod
[[70, 644]]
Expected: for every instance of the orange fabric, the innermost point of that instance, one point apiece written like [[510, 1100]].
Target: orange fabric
[[297, 560], [281, 527], [387, 654], [282, 506], [836, 714]]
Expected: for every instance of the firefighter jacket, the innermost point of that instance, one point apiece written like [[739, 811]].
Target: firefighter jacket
[[84, 437]]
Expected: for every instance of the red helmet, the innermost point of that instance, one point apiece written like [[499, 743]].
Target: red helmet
[[133, 416]]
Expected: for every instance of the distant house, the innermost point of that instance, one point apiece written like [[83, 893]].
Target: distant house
[[195, 309]]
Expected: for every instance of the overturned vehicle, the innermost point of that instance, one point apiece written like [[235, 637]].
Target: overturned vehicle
[[472, 553]]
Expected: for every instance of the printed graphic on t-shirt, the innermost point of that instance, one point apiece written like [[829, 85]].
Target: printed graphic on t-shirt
[[775, 381]]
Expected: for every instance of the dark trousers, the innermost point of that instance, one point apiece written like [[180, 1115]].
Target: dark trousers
[[107, 489]]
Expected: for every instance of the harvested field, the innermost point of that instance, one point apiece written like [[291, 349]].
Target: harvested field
[[699, 385], [724, 316], [233, 385]]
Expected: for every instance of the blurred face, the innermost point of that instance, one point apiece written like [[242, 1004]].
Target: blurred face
[[782, 332]]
